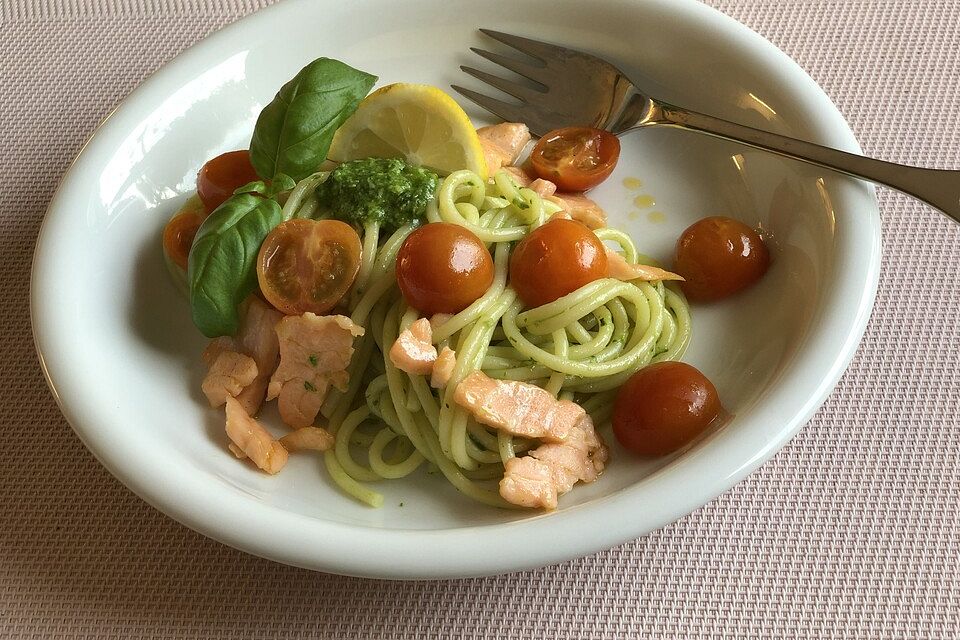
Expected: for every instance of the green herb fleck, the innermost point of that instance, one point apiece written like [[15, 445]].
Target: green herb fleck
[[308, 386], [312, 360]]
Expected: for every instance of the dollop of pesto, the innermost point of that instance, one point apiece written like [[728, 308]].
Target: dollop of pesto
[[388, 191]]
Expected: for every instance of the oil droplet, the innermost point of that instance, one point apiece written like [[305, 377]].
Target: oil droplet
[[632, 183], [633, 215], [656, 216], [644, 201]]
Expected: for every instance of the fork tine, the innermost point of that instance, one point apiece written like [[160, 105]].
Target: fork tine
[[507, 86], [509, 112], [533, 48], [525, 69]]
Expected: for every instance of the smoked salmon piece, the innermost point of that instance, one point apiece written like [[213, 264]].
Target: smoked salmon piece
[[519, 175], [229, 374], [257, 339], [581, 208], [312, 438], [619, 268], [413, 350], [540, 478], [502, 143], [437, 320], [443, 368], [249, 437], [314, 354], [518, 408], [543, 188]]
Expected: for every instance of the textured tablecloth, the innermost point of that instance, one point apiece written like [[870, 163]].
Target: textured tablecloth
[[850, 531]]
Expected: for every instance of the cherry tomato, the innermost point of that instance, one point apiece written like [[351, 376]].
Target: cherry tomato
[[178, 236], [442, 268], [718, 257], [662, 407], [575, 158], [308, 265], [556, 259], [223, 175]]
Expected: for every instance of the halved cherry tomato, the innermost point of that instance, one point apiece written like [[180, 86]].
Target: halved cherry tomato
[[718, 257], [556, 259], [443, 268], [308, 265], [575, 158], [178, 236], [662, 407], [223, 175]]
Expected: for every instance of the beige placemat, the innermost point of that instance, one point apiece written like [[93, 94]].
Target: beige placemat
[[850, 531]]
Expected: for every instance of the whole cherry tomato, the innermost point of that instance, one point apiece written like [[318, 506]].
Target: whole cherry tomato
[[662, 407], [718, 257], [442, 268], [178, 236], [223, 175], [555, 259]]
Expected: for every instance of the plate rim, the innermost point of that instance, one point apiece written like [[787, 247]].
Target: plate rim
[[391, 553]]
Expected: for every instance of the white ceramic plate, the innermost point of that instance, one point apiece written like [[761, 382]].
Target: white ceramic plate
[[121, 356]]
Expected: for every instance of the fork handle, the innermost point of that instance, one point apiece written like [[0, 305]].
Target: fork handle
[[938, 188]]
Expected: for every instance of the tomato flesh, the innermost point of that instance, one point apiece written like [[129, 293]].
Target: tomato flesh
[[575, 158], [223, 175], [719, 257], [555, 259], [663, 407], [178, 236], [180, 231], [308, 265], [443, 268]]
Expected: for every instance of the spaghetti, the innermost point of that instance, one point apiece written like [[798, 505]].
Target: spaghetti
[[580, 347]]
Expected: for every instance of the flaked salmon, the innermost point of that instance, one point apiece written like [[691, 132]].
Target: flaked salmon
[[502, 143], [543, 188], [437, 320], [314, 354], [519, 175], [308, 438], [413, 350], [527, 482], [229, 373], [581, 208], [518, 408], [257, 339], [443, 368], [249, 437], [619, 268], [550, 470]]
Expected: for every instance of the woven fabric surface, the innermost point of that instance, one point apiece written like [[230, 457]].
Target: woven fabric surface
[[851, 531]]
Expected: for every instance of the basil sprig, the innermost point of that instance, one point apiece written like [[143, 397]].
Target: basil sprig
[[222, 268], [294, 131], [290, 140]]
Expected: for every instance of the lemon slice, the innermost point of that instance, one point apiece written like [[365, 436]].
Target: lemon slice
[[416, 122]]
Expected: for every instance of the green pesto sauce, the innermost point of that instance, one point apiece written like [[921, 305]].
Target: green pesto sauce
[[388, 191]]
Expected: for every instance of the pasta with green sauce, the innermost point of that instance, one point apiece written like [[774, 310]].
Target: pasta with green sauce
[[387, 424]]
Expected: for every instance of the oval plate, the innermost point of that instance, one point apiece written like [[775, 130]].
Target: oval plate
[[122, 358]]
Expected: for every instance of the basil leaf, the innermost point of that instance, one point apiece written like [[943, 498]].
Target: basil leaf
[[294, 131], [221, 270], [257, 186], [268, 188]]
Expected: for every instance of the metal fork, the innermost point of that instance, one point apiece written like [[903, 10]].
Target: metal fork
[[579, 89]]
